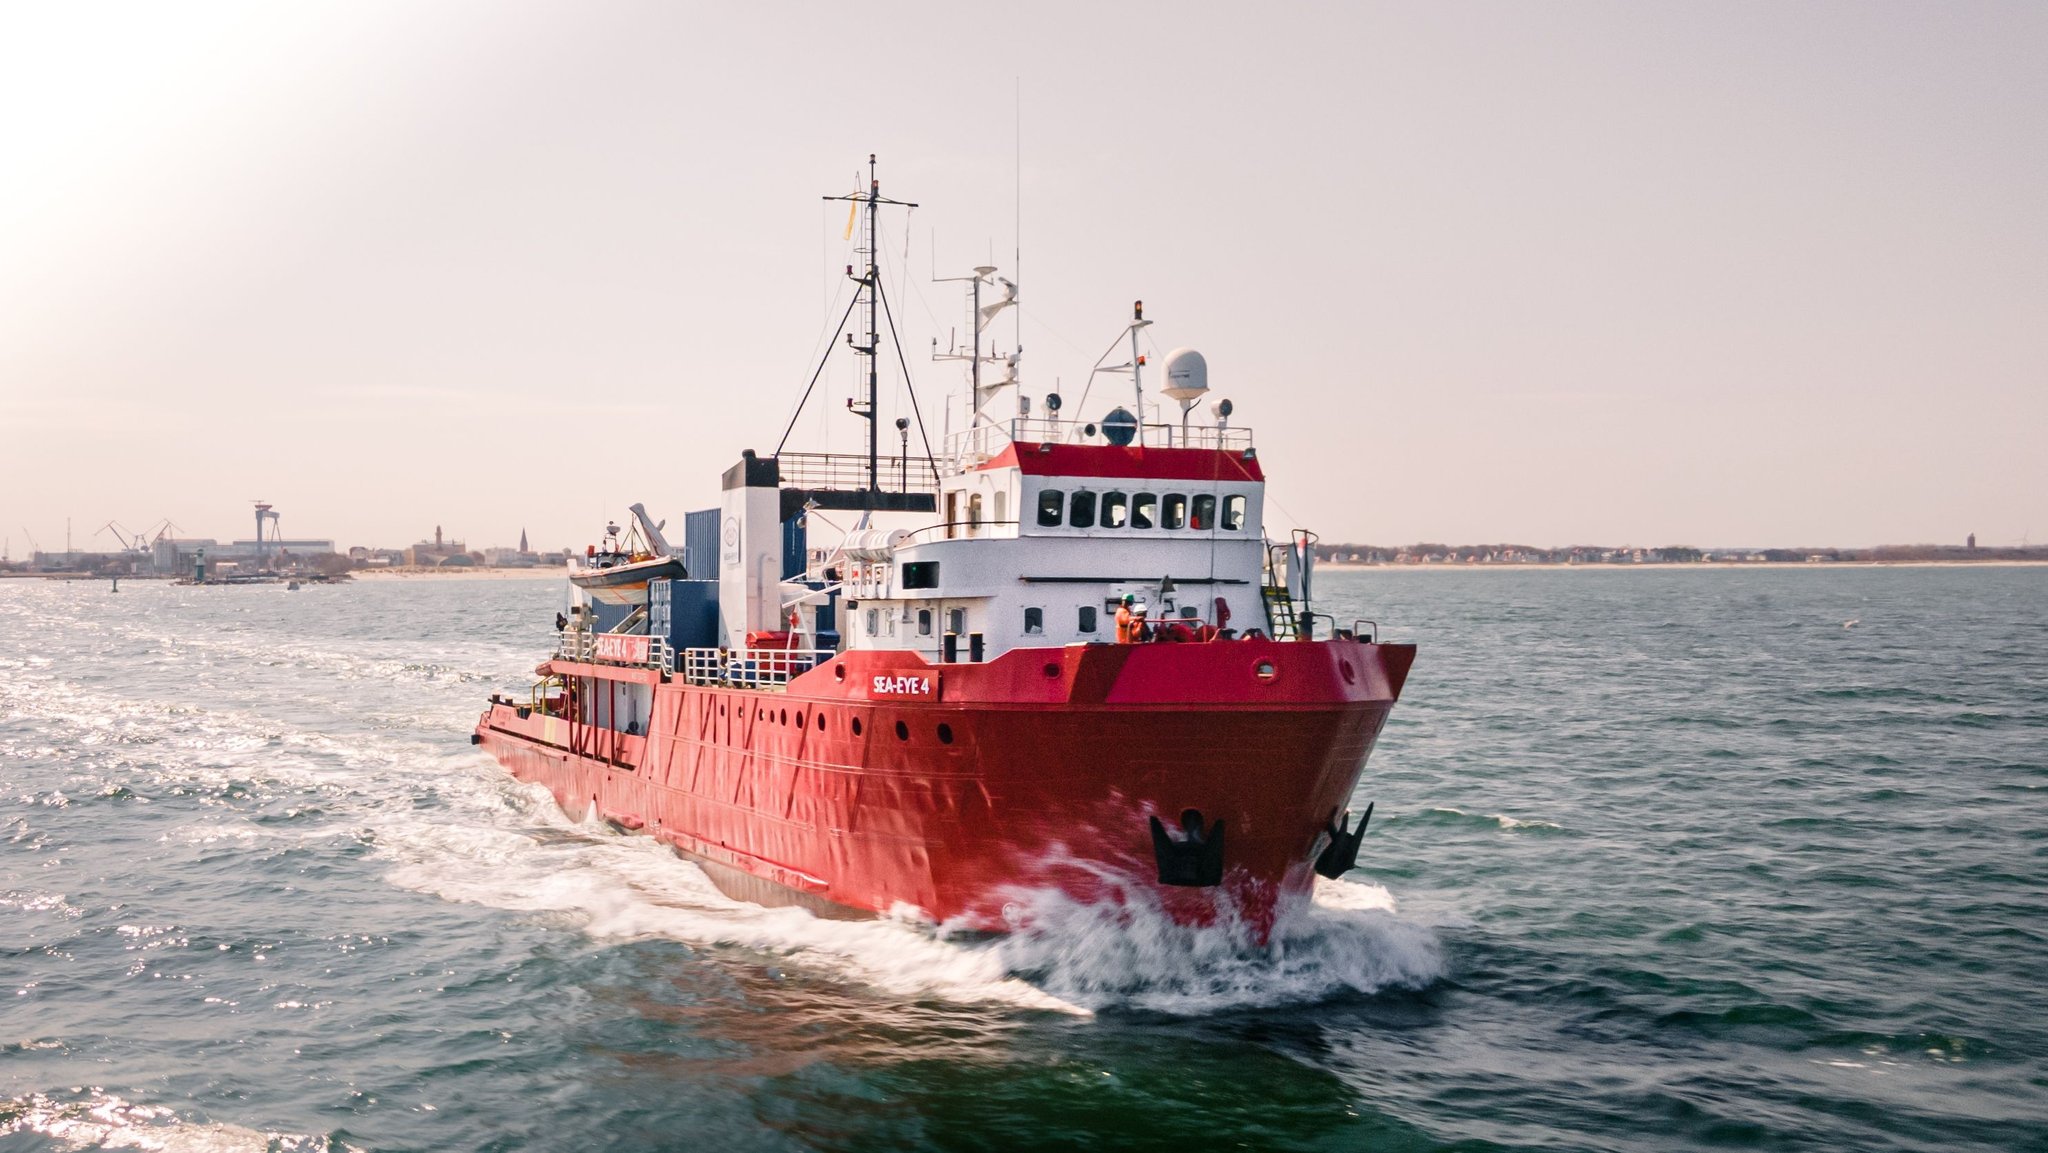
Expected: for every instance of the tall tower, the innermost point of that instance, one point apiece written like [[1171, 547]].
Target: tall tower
[[522, 539], [263, 513]]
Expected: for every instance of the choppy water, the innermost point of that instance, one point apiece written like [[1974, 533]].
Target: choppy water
[[1663, 860]]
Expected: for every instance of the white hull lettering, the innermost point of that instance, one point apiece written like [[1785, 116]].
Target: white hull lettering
[[902, 686]]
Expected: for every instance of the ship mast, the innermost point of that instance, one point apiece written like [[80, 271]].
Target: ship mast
[[871, 287], [979, 317]]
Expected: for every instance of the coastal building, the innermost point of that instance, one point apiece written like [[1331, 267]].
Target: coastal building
[[439, 551]]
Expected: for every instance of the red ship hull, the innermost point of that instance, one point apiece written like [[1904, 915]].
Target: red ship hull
[[878, 783]]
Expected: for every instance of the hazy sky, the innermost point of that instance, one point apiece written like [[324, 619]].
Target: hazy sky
[[1633, 273]]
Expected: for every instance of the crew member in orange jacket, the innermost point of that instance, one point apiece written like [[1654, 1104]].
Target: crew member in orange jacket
[[1130, 621]]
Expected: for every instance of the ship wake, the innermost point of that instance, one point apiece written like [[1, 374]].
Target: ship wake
[[1064, 955], [1130, 954]]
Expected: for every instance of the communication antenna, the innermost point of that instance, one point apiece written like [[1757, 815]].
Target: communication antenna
[[1135, 366], [1017, 228], [982, 316], [870, 282]]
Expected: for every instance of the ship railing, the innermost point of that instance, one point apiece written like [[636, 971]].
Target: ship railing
[[849, 471], [984, 442], [589, 648], [748, 668]]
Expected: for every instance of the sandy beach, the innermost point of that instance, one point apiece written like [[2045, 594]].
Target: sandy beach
[[555, 572]]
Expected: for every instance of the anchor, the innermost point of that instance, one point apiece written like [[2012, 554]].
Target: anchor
[[1340, 856], [1196, 859]]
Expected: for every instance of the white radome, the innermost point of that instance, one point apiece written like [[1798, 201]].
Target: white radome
[[1187, 375]]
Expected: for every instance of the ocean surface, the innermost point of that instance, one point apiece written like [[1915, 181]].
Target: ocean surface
[[1662, 860]]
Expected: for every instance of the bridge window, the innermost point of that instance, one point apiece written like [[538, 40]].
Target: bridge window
[[1204, 517], [974, 510], [1233, 514], [1116, 511], [1034, 621], [1087, 618], [1144, 506], [874, 622], [924, 622], [921, 574], [1051, 503], [1002, 508], [956, 620], [1081, 514], [1173, 510]]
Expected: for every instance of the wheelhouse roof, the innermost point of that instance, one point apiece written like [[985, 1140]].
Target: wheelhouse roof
[[1129, 462]]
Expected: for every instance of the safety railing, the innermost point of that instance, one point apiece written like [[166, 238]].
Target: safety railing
[[983, 442], [849, 471], [633, 649], [748, 668]]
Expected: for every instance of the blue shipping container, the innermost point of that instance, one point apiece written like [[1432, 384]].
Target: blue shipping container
[[700, 544]]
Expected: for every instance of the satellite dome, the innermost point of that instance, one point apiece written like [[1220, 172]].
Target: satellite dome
[[1187, 375]]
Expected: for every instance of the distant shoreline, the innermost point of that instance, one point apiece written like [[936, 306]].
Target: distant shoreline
[[444, 572], [1666, 566]]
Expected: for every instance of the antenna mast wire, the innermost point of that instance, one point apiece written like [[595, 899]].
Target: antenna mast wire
[[897, 339], [831, 346]]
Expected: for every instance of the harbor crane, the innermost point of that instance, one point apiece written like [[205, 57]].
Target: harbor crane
[[129, 542]]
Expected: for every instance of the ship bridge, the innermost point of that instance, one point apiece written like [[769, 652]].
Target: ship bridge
[[1043, 527]]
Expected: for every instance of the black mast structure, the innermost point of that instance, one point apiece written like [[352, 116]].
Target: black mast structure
[[871, 285], [870, 496]]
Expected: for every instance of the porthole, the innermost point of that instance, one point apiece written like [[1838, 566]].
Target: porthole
[[902, 731], [1264, 670], [856, 726], [785, 718], [1350, 674], [799, 719], [821, 722], [838, 672], [945, 734], [1052, 668]]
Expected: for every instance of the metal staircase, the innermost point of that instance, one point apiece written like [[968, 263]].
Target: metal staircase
[[1281, 617]]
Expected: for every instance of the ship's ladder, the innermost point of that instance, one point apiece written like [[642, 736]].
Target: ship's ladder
[[1280, 613]]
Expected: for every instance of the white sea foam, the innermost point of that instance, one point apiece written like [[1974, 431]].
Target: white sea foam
[[1507, 822], [1348, 940], [100, 1120], [626, 887], [1065, 956]]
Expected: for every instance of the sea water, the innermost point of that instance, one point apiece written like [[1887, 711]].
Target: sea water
[[1672, 859]]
